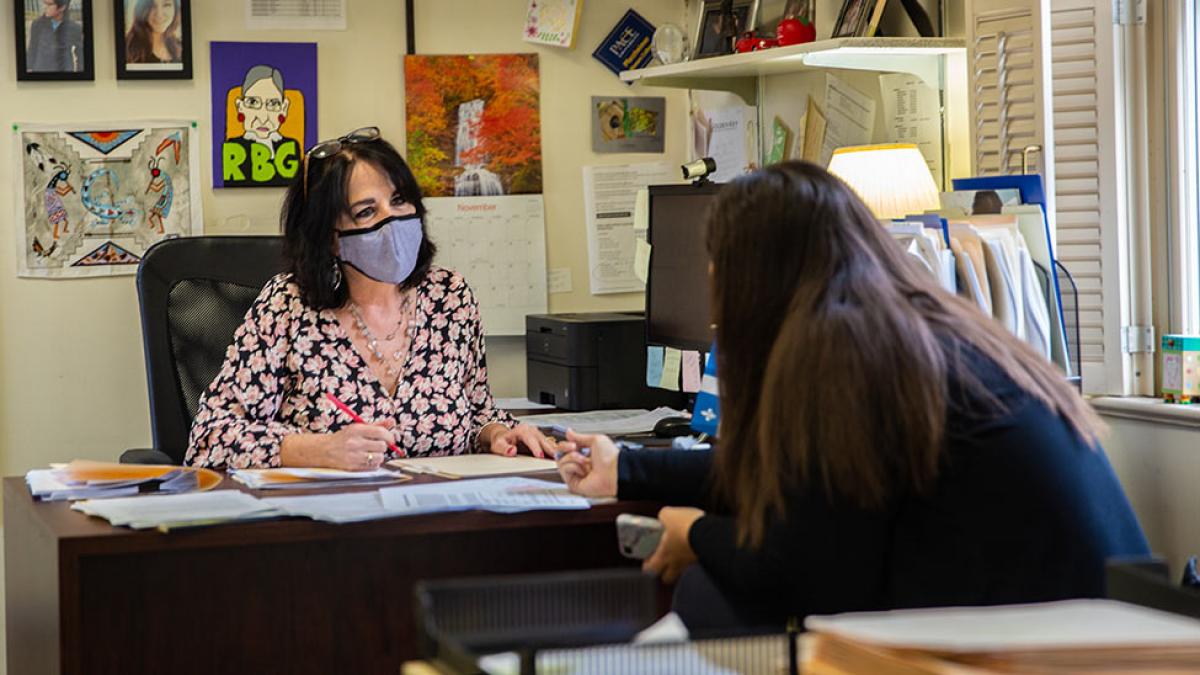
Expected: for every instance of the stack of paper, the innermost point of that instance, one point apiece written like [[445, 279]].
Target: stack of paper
[[293, 477], [1056, 637], [86, 479], [171, 511]]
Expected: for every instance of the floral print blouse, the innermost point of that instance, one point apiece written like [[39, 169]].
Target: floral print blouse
[[286, 356]]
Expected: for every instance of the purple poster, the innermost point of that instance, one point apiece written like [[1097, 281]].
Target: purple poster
[[264, 111]]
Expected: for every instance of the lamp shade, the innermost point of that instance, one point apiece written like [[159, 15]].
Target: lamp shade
[[893, 179]]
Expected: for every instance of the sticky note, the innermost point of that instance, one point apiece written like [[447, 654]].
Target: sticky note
[[641, 260], [654, 366], [691, 372], [558, 279], [641, 210], [670, 372]]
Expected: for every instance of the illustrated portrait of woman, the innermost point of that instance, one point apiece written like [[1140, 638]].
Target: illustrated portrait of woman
[[261, 155], [152, 34]]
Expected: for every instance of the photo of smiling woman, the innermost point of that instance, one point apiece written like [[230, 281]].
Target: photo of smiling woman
[[152, 39]]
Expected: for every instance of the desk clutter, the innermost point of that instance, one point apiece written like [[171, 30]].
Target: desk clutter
[[294, 477], [512, 494], [86, 479]]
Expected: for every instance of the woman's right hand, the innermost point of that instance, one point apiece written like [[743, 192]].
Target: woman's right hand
[[357, 447], [588, 464]]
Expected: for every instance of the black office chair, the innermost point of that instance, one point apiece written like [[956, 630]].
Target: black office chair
[[194, 292]]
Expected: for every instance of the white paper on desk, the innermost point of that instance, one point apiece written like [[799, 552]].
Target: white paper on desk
[[340, 507], [474, 466], [727, 143], [610, 422], [912, 114], [500, 495], [520, 404], [153, 510], [610, 197], [299, 477], [849, 117], [1069, 624]]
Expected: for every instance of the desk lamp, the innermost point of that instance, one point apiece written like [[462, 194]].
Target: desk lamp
[[891, 179]]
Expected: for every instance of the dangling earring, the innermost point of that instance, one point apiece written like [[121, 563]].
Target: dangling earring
[[281, 119], [337, 275], [241, 117]]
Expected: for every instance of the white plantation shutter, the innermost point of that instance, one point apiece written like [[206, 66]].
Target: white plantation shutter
[[1043, 74], [1090, 217]]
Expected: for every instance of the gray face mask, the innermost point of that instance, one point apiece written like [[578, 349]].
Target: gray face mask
[[386, 251]]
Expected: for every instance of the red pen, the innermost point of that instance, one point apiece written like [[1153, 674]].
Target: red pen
[[354, 416]]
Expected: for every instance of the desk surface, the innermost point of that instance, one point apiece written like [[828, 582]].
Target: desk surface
[[287, 595]]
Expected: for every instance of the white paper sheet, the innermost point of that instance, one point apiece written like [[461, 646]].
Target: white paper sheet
[[341, 507], [147, 511], [849, 117], [500, 495], [610, 195], [296, 14], [912, 114], [727, 143], [498, 244]]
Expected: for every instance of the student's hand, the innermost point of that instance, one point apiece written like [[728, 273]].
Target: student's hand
[[588, 464], [357, 447], [674, 553], [505, 441]]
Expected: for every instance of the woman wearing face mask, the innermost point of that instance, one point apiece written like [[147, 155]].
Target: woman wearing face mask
[[153, 36], [363, 315]]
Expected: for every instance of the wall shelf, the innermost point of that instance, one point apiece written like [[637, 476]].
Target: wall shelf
[[738, 73]]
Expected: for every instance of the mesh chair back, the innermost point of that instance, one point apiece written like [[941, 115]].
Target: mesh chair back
[[194, 293]]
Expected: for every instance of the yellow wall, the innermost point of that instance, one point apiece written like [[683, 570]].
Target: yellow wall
[[72, 381]]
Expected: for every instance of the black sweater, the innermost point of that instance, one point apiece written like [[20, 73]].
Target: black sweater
[[1023, 510]]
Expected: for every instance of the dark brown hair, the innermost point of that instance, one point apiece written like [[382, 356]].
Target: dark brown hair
[[138, 43], [309, 221], [835, 350]]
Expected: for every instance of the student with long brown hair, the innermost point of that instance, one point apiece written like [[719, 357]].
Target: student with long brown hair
[[883, 443]]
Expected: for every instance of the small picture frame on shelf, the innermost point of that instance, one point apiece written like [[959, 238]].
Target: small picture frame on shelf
[[54, 39], [153, 39], [716, 31], [858, 18]]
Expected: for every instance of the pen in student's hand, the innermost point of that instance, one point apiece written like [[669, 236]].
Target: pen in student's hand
[[354, 416]]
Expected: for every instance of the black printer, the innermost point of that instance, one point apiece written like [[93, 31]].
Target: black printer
[[591, 361]]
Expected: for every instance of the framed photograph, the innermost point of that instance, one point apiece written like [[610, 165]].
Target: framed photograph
[[859, 18], [716, 32], [54, 39], [153, 39]]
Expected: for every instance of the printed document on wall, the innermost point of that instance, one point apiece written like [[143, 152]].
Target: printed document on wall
[[609, 196], [849, 117], [912, 113], [296, 14], [498, 244]]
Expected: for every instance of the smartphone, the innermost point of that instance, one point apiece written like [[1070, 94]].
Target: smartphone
[[638, 536]]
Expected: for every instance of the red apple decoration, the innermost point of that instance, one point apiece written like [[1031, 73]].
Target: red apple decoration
[[745, 43], [794, 31]]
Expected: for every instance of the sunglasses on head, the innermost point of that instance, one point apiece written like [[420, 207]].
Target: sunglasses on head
[[326, 149]]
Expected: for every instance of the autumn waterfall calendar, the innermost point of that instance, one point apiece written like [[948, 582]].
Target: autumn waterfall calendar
[[499, 245]]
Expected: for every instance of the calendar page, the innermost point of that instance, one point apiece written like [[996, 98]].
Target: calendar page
[[499, 245]]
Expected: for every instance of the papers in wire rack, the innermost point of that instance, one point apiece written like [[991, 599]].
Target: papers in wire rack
[[199, 508]]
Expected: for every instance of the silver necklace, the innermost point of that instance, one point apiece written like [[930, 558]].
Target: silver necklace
[[407, 320]]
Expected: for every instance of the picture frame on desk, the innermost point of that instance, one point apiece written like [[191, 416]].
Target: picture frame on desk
[[858, 18], [54, 40], [711, 37], [153, 39]]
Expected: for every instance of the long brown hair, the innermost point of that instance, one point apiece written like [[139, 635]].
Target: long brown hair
[[835, 350], [138, 41]]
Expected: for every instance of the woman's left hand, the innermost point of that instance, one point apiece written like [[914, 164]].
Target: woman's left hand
[[506, 441], [674, 553]]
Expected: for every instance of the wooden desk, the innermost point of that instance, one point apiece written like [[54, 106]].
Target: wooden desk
[[280, 596]]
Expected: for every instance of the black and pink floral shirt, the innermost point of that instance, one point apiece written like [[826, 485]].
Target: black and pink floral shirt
[[286, 356]]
